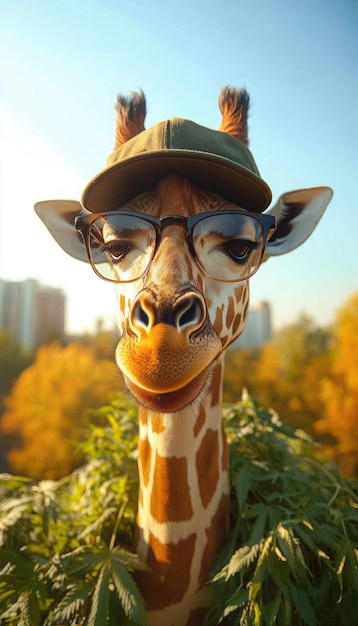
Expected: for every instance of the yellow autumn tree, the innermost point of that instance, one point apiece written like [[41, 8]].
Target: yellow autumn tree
[[48, 408], [339, 391]]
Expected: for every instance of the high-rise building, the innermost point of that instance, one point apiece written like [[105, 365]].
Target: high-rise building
[[258, 328], [31, 312]]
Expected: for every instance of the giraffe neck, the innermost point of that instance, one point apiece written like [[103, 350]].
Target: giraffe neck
[[183, 504]]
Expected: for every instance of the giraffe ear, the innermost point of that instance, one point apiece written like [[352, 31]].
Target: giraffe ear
[[297, 214], [59, 217]]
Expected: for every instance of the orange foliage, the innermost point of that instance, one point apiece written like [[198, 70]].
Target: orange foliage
[[339, 391], [268, 371], [48, 408]]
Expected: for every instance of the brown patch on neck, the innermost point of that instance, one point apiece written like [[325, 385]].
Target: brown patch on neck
[[157, 424], [170, 477], [143, 416], [169, 577], [200, 421], [145, 455], [236, 324], [215, 538], [216, 384], [218, 322], [207, 465], [230, 313], [225, 451], [197, 617]]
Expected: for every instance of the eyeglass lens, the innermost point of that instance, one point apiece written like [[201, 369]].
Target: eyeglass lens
[[228, 247]]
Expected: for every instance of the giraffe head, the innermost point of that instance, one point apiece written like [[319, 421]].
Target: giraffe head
[[178, 222]]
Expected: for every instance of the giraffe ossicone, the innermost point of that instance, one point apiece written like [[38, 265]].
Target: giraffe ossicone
[[179, 221]]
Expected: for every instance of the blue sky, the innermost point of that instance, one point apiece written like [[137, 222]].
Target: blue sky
[[63, 64]]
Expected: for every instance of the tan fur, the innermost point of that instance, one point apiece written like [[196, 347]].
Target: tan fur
[[234, 106], [131, 112]]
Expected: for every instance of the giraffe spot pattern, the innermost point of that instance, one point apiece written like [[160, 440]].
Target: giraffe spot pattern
[[145, 453], [169, 473], [230, 312], [237, 323], [170, 563], [157, 424], [218, 322], [172, 507], [207, 465], [215, 537], [200, 421], [225, 451], [216, 385]]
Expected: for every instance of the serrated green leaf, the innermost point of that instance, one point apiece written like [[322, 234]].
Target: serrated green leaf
[[258, 529], [303, 605], [97, 523], [6, 593], [128, 560], [71, 604], [286, 544], [272, 608], [128, 593], [279, 554], [100, 600], [242, 558], [308, 540], [84, 560], [242, 483], [237, 600], [341, 565]]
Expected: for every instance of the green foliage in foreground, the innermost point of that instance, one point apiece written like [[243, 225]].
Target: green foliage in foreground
[[290, 559], [292, 554]]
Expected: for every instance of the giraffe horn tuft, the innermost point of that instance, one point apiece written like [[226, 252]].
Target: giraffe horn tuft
[[234, 106], [131, 112]]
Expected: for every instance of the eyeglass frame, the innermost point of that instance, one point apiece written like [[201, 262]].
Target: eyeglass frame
[[267, 223]]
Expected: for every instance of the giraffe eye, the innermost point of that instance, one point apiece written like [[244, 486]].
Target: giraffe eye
[[238, 250], [118, 250], [121, 246]]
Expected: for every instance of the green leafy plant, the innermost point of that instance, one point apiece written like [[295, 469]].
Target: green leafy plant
[[290, 557], [65, 552], [292, 554]]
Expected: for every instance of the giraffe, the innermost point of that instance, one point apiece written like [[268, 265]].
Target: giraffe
[[179, 222]]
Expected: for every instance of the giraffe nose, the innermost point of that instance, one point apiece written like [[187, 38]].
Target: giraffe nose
[[186, 313]]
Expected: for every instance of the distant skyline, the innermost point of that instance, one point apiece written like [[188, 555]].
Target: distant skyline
[[63, 64], [32, 313]]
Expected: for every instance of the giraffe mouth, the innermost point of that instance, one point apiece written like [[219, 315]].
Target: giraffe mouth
[[171, 401]]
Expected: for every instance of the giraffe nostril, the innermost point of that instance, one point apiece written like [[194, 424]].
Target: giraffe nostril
[[192, 314], [187, 313], [141, 317]]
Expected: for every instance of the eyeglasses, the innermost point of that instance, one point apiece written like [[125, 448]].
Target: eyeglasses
[[228, 246]]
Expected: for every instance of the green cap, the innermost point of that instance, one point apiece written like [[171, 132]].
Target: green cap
[[212, 160]]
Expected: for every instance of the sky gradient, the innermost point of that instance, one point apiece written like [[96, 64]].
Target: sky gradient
[[63, 64]]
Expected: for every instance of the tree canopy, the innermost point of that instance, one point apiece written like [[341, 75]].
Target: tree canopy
[[339, 389], [310, 376], [48, 407]]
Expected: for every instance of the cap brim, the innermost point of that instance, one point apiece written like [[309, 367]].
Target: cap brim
[[121, 182]]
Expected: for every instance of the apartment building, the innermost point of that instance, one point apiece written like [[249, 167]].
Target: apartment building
[[31, 312], [258, 329]]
